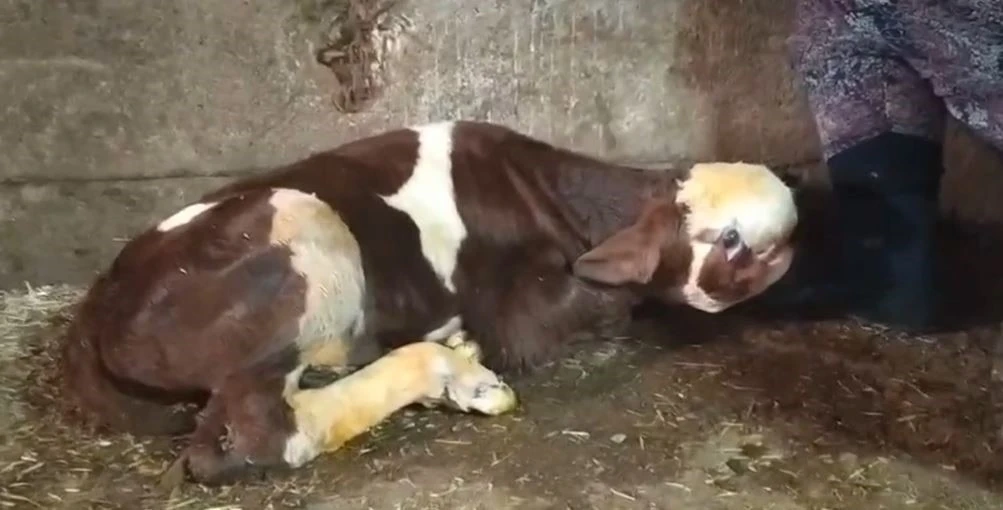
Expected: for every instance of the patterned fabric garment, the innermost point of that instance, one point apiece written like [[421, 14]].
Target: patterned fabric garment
[[871, 66]]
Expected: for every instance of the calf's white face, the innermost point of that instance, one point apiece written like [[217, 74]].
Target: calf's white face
[[739, 222], [724, 239]]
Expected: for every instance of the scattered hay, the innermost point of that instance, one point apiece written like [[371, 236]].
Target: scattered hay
[[23, 313], [24, 355], [762, 422], [47, 461]]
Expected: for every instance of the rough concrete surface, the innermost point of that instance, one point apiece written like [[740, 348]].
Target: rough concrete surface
[[134, 100], [120, 89], [66, 231]]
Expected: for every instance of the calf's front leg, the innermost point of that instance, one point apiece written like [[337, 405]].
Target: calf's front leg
[[243, 428], [430, 373]]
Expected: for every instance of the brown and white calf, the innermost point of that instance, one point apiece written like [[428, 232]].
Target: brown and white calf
[[414, 234]]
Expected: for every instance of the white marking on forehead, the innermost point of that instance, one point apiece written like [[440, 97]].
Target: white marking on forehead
[[750, 196], [691, 293], [184, 216], [762, 225], [427, 197]]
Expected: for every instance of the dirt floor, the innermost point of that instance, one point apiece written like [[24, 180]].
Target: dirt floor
[[692, 412]]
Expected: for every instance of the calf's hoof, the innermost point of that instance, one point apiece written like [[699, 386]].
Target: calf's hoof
[[496, 400], [469, 349], [473, 386]]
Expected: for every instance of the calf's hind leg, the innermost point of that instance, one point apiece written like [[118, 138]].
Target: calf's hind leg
[[244, 426], [267, 422]]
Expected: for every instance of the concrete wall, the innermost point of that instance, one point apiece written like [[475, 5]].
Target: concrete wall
[[116, 112]]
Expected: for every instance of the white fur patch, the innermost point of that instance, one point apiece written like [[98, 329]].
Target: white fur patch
[[427, 197], [749, 196], [300, 449], [691, 292], [184, 216], [328, 255], [302, 446], [444, 332]]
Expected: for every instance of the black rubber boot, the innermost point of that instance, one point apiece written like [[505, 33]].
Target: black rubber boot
[[885, 197]]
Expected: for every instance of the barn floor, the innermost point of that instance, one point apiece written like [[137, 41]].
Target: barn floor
[[795, 416]]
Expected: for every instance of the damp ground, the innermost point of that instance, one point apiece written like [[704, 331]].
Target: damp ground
[[691, 412]]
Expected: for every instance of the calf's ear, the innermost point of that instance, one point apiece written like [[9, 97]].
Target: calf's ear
[[631, 255]]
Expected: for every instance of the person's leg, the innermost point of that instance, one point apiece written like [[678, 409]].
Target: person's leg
[[881, 128], [958, 45]]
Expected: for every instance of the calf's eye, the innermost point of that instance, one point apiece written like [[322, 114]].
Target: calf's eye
[[730, 239]]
